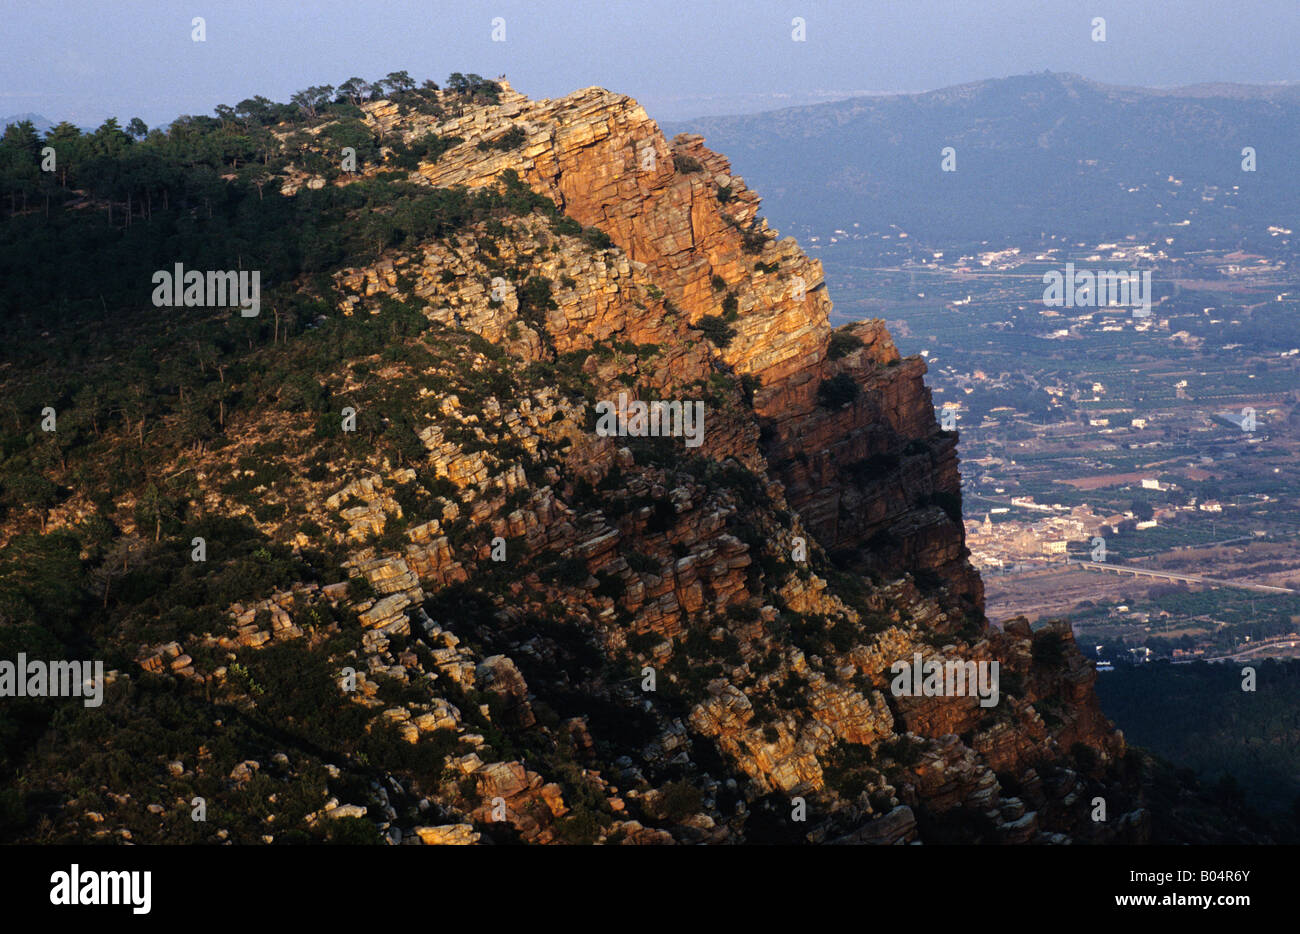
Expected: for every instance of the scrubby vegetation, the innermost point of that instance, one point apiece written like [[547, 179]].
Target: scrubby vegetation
[[837, 391]]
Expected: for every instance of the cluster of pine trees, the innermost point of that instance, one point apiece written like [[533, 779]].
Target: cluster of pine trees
[[132, 170]]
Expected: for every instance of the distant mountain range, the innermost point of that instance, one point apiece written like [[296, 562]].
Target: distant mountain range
[[40, 122], [1031, 152]]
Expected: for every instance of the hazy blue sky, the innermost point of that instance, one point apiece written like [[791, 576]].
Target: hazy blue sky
[[84, 60]]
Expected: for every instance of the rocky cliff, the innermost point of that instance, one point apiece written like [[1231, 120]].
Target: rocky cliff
[[868, 475], [565, 636]]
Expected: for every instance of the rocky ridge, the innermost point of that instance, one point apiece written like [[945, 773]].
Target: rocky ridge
[[678, 645]]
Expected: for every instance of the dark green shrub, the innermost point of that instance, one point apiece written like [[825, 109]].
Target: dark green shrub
[[597, 238], [839, 390], [677, 801], [360, 588], [511, 139], [842, 343], [716, 330]]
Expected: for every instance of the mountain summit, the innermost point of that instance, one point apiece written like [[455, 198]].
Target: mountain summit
[[367, 563]]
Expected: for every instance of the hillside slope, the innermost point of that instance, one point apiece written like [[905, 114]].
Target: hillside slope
[[435, 604]]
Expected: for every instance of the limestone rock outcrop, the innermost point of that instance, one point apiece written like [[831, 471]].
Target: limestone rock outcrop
[[544, 633]]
